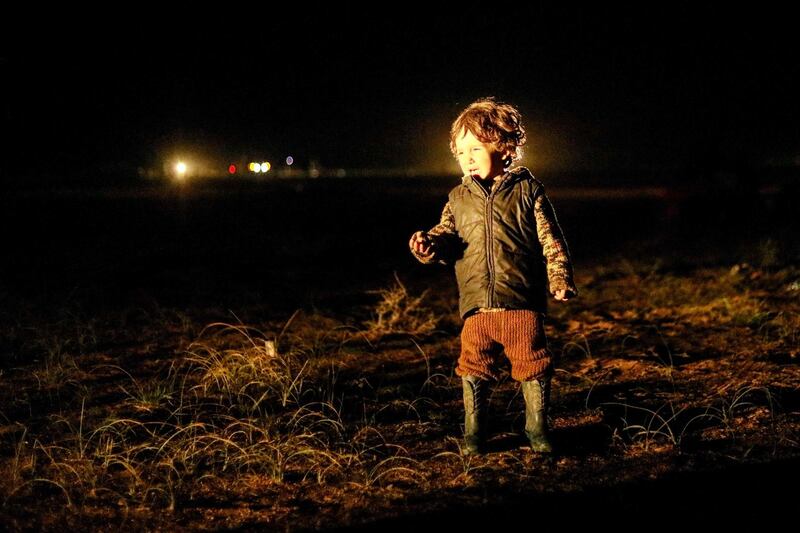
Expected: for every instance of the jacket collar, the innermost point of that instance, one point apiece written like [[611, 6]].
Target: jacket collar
[[510, 177]]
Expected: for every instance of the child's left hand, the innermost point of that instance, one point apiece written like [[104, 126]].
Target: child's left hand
[[563, 295]]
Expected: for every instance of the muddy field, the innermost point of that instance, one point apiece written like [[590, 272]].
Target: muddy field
[[269, 356]]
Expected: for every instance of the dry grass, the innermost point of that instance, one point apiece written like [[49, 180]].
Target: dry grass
[[301, 403], [399, 312]]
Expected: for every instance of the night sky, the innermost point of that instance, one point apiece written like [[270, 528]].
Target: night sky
[[672, 89]]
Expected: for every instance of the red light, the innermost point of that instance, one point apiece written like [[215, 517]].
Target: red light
[[232, 169]]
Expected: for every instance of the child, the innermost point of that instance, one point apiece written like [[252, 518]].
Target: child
[[500, 231]]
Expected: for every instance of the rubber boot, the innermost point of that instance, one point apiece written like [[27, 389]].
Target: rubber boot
[[537, 399], [475, 414]]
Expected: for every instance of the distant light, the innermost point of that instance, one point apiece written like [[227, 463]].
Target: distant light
[[265, 166], [232, 169], [289, 160], [253, 167], [180, 169]]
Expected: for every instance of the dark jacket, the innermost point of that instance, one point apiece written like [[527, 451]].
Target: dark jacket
[[504, 243]]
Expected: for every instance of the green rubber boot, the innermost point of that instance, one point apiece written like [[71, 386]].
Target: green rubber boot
[[475, 414], [537, 399]]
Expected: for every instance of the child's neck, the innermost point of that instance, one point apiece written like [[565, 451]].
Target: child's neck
[[488, 182]]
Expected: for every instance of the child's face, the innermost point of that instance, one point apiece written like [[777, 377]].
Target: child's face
[[477, 158]]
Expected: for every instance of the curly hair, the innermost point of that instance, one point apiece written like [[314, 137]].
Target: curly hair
[[493, 122]]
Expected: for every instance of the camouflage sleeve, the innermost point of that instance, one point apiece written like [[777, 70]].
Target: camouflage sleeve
[[554, 247], [442, 236]]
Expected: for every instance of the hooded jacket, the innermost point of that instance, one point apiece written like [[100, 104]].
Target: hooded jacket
[[505, 244]]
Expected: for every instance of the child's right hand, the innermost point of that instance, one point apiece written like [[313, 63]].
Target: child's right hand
[[421, 243]]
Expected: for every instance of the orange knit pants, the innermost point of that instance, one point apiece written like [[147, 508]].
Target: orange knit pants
[[518, 332]]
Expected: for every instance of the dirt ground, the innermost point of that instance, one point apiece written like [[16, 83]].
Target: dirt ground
[[196, 398]]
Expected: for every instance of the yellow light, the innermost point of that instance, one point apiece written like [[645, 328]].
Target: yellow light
[[252, 167], [180, 169], [265, 166]]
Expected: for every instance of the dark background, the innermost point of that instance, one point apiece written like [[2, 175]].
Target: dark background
[[662, 93], [699, 101]]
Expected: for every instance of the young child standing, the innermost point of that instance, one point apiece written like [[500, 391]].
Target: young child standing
[[500, 231]]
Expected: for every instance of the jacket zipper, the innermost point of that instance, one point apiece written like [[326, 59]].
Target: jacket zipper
[[489, 256]]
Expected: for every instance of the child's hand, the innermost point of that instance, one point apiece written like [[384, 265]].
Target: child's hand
[[421, 243], [563, 295]]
